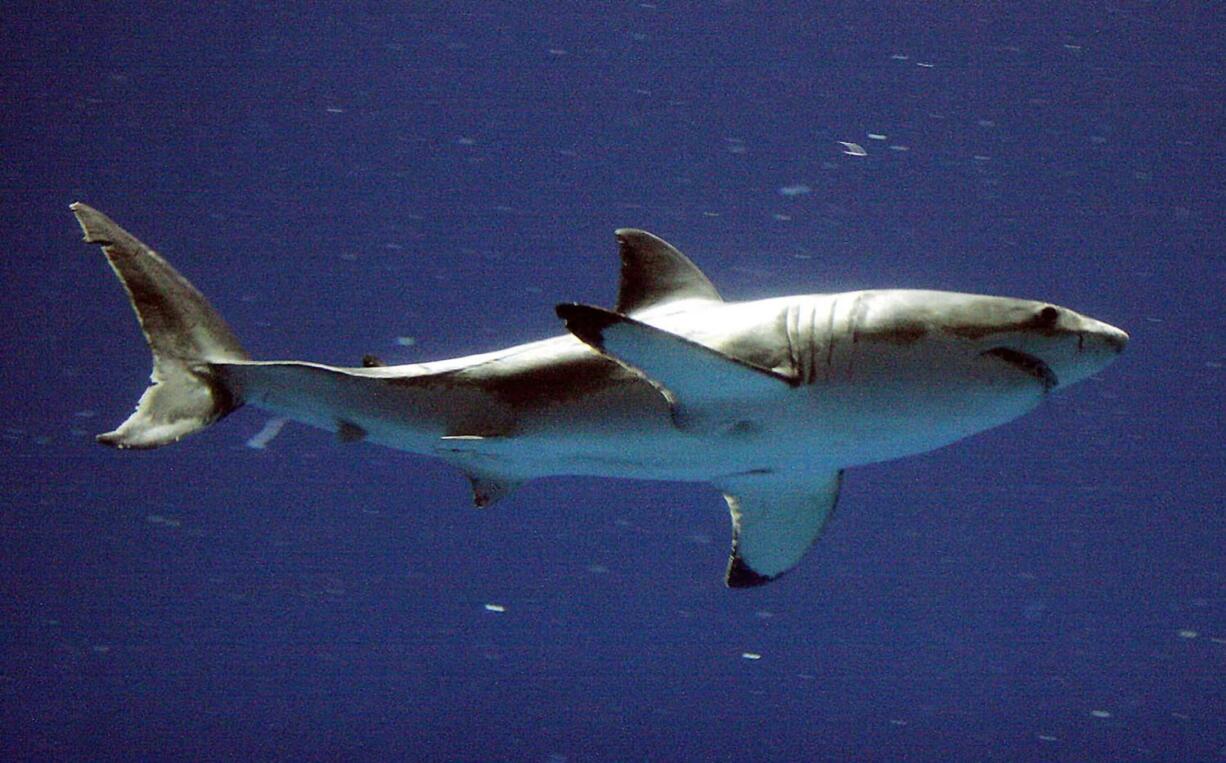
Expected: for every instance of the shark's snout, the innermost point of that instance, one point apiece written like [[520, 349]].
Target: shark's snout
[[1115, 338], [1102, 336], [1097, 345]]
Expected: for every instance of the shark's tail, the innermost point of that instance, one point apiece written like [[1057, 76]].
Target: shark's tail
[[184, 332]]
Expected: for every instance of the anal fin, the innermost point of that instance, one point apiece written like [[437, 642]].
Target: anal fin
[[489, 489], [490, 483]]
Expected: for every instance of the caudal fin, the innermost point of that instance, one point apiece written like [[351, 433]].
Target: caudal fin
[[185, 335]]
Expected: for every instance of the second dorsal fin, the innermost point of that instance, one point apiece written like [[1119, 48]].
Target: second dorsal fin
[[653, 273]]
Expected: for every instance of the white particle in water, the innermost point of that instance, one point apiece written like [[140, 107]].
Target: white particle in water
[[271, 429]]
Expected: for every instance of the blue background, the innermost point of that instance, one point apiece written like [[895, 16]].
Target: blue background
[[335, 177]]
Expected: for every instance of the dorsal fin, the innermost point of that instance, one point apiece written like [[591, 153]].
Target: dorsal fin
[[653, 272]]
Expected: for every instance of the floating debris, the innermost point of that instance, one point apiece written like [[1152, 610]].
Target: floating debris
[[751, 655], [271, 429], [495, 608], [799, 189], [1100, 713], [852, 149], [1188, 633]]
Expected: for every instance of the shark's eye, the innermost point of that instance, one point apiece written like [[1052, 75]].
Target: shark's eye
[[1047, 316]]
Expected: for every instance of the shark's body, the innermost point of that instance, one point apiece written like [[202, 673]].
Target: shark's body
[[767, 400]]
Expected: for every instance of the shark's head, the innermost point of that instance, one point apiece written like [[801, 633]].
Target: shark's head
[[1055, 345], [944, 365]]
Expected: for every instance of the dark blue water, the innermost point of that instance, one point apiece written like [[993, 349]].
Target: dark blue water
[[440, 175]]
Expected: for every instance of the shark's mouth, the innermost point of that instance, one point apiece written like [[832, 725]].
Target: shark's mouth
[[1028, 363]]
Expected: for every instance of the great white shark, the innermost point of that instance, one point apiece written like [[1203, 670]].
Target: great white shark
[[769, 400]]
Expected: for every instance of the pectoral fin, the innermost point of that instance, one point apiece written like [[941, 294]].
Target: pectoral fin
[[775, 519], [702, 383]]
